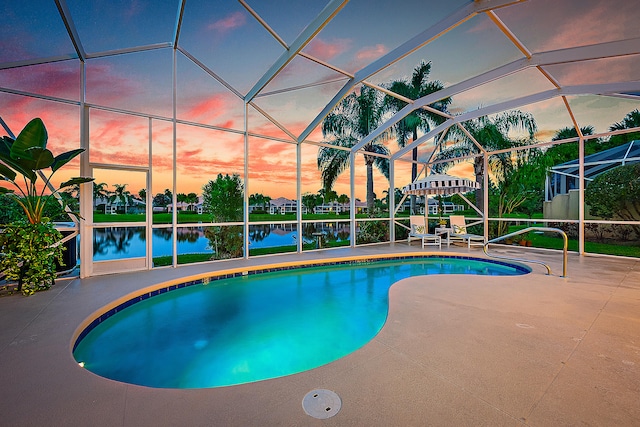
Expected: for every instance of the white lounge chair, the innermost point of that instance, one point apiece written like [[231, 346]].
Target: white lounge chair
[[459, 231], [420, 231]]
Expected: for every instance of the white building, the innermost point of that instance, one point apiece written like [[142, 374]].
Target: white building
[[282, 206]]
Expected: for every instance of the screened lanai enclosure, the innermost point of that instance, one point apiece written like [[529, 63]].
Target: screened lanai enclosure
[[240, 128]]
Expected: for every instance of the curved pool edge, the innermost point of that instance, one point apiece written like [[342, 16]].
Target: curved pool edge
[[124, 301]]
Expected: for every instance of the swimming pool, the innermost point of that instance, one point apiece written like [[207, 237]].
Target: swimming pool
[[243, 327]]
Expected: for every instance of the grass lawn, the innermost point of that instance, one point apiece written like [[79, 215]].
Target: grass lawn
[[555, 241]]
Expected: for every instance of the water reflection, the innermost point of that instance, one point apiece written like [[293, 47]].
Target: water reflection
[[111, 243], [115, 240]]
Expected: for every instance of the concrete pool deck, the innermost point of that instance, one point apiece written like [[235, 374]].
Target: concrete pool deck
[[456, 350]]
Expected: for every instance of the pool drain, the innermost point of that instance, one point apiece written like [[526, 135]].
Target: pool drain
[[321, 404]]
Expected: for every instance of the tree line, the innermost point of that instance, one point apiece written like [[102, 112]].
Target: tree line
[[517, 177]]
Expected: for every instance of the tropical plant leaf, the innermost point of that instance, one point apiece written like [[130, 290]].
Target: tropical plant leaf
[[4, 190], [76, 180], [7, 172], [64, 158], [34, 135], [17, 165], [41, 158], [5, 144]]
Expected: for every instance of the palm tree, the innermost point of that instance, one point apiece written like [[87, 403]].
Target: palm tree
[[168, 196], [310, 201], [192, 200], [397, 196], [259, 199], [100, 192], [418, 120], [255, 199], [353, 119], [569, 151], [121, 195], [631, 120], [343, 199], [492, 134]]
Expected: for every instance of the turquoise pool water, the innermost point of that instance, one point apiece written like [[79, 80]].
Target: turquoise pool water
[[256, 327]]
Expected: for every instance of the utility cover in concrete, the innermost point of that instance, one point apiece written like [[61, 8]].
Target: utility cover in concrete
[[321, 403]]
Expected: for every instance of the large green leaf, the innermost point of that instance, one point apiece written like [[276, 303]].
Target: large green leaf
[[76, 180], [18, 165], [41, 158], [7, 172], [6, 143], [64, 158], [34, 135]]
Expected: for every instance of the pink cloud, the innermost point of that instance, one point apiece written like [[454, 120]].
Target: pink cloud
[[210, 107], [105, 86], [189, 154], [218, 109], [588, 26], [371, 53], [58, 80], [598, 71], [365, 56], [231, 22], [271, 130], [550, 24], [120, 157], [271, 152], [325, 50]]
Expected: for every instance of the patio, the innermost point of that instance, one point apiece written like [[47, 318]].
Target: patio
[[536, 350]]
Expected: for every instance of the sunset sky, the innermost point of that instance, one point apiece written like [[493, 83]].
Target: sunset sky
[[232, 44]]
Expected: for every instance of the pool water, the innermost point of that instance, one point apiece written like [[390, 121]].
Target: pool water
[[256, 327]]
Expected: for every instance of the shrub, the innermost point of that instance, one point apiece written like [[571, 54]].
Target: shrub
[[23, 256]]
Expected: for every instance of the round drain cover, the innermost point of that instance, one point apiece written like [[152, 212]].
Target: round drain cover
[[321, 404]]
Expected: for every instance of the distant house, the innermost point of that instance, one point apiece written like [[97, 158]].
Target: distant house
[[117, 205], [562, 199], [282, 206], [335, 207], [184, 206], [565, 177], [406, 205], [447, 207], [331, 207], [257, 208]]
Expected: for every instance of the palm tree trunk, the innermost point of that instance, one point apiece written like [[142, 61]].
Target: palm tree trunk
[[478, 169], [414, 174], [370, 196]]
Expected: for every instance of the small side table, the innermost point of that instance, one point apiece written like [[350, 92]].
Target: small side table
[[440, 231], [318, 237]]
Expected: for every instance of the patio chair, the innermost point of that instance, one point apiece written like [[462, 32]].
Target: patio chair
[[459, 232], [420, 231]]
